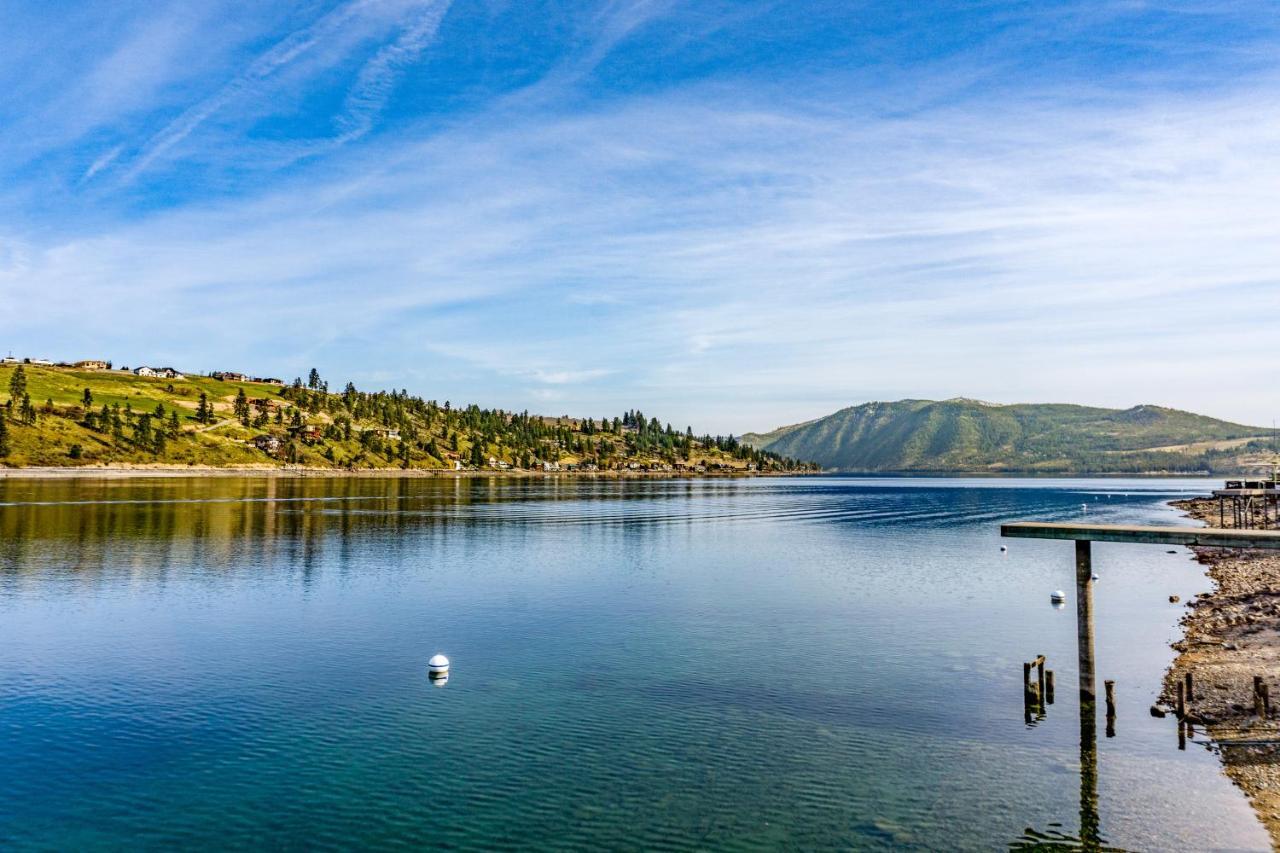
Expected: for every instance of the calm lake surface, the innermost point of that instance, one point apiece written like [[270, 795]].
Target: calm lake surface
[[720, 664]]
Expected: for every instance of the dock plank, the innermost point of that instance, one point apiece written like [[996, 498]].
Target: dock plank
[[1211, 536]]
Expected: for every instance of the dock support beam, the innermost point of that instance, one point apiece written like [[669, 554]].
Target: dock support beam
[[1084, 618]]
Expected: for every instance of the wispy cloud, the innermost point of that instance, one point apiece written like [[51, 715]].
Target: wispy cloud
[[377, 78]]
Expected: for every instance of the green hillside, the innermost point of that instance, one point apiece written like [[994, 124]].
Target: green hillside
[[61, 416], [971, 436]]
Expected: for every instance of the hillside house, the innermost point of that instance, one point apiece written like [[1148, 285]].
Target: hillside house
[[308, 434], [41, 362], [228, 376], [8, 359], [158, 372], [267, 444], [91, 364], [268, 380]]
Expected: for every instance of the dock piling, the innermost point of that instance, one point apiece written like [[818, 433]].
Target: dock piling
[[1084, 618]]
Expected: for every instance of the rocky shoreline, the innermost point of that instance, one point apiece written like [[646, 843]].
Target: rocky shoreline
[[1232, 635]]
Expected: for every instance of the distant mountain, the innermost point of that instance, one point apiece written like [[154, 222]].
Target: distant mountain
[[964, 435]]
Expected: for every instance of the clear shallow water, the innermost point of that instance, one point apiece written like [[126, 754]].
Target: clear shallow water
[[748, 664]]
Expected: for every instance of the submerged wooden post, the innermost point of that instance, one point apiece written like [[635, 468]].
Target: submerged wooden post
[[1040, 676], [1084, 618], [1110, 687], [1048, 686]]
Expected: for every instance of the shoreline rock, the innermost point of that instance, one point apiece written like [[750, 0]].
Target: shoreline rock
[[1231, 635]]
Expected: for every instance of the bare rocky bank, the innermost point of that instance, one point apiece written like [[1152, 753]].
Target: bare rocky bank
[[1232, 635]]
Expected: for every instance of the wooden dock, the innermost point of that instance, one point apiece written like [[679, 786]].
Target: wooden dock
[[1084, 535], [1208, 536]]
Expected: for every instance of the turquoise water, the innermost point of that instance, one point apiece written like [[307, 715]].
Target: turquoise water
[[720, 664]]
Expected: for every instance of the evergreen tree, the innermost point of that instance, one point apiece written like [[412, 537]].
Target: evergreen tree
[[173, 428], [28, 410], [4, 435], [87, 399], [158, 442], [142, 432], [18, 384], [313, 380]]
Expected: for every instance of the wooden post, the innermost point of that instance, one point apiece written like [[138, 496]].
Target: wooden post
[[1191, 693], [1182, 702], [1110, 687], [1084, 618], [1048, 686], [1259, 709], [1040, 675]]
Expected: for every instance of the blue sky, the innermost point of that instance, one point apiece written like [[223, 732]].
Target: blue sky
[[732, 215]]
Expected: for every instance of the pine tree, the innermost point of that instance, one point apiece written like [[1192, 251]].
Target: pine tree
[[18, 384], [4, 436], [142, 432], [87, 399]]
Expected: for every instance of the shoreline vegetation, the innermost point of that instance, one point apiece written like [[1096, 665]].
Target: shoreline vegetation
[[126, 470], [90, 419], [1230, 636]]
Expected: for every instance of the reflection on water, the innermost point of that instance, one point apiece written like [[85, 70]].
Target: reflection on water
[[806, 663]]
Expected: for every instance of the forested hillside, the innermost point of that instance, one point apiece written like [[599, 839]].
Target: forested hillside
[[66, 416]]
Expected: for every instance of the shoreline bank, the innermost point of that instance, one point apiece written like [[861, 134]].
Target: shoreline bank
[[1230, 636]]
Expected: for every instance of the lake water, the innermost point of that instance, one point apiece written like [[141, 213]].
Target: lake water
[[720, 664]]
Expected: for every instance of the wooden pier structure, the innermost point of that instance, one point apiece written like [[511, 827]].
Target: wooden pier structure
[[1084, 535], [1253, 504]]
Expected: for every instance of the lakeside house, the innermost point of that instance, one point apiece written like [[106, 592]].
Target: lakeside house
[[158, 372], [228, 376], [91, 364]]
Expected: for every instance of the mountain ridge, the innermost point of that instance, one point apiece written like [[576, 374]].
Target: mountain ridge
[[962, 435]]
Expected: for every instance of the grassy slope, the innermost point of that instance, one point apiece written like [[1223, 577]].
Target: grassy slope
[[965, 435], [226, 443]]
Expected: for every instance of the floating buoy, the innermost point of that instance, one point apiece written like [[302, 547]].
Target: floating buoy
[[1093, 577], [1057, 596], [1004, 547], [438, 665]]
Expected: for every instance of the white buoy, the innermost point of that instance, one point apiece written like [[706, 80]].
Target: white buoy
[[438, 665], [1058, 596]]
